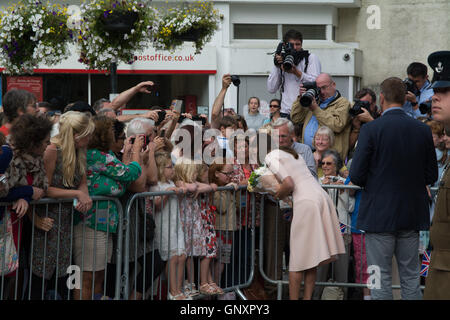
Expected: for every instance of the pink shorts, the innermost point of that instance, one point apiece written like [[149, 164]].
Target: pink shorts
[[361, 274]]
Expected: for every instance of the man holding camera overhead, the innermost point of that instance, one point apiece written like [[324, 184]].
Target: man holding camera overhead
[[320, 104], [293, 66], [418, 91]]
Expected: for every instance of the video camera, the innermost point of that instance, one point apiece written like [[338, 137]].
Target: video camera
[[312, 92], [357, 107], [411, 86]]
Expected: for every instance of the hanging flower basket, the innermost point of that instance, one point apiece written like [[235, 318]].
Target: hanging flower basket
[[114, 31], [195, 22], [33, 34], [120, 22]]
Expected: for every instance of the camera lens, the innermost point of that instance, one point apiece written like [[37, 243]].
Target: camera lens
[[307, 99], [288, 62], [235, 79]]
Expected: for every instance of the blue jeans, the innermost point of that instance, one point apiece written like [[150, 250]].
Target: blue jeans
[[380, 248]]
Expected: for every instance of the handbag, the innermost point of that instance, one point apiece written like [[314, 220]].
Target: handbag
[[9, 260]]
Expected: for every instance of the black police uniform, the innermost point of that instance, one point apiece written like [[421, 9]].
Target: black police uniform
[[437, 285]]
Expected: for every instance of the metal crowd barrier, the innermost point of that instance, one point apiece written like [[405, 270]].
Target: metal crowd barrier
[[281, 272], [236, 275], [41, 254]]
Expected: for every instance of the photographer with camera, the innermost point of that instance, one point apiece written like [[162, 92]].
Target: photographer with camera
[[363, 110], [293, 66], [418, 91], [216, 115], [320, 104]]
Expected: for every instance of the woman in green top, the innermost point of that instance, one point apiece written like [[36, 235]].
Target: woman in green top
[[106, 176]]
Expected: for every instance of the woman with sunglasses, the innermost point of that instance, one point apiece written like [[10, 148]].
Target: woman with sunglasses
[[275, 107]]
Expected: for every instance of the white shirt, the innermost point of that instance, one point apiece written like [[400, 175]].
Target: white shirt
[[292, 82]]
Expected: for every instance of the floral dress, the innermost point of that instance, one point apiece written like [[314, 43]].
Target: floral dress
[[106, 176], [208, 213], [191, 219]]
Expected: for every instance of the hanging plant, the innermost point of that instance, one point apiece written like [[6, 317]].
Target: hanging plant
[[194, 22], [31, 34], [113, 31]]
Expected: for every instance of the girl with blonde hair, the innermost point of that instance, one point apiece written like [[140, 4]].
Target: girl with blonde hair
[[186, 174], [65, 167]]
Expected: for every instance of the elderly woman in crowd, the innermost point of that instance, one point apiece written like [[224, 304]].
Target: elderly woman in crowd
[[141, 212], [106, 176], [323, 140], [331, 164]]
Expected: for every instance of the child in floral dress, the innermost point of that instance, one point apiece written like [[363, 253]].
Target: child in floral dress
[[207, 284]]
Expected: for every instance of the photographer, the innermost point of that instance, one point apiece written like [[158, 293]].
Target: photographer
[[325, 108], [418, 90], [361, 113], [307, 68]]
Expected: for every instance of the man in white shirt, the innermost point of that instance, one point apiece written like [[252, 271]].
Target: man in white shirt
[[307, 68]]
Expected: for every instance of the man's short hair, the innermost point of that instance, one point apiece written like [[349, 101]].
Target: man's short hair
[[393, 90], [99, 104], [293, 35], [283, 121], [15, 100], [417, 69], [227, 121], [366, 91]]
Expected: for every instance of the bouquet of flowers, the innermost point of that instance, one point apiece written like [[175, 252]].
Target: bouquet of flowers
[[113, 31], [195, 22], [33, 33], [262, 180]]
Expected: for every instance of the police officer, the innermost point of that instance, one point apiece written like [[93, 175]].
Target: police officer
[[437, 285]]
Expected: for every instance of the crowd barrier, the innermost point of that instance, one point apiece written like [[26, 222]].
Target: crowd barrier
[[47, 268], [273, 267], [237, 248]]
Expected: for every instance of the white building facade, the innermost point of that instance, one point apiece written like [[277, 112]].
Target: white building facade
[[248, 34]]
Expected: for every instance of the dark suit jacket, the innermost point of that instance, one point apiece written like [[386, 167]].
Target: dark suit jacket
[[394, 161]]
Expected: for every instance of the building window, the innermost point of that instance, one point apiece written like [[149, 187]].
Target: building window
[[255, 31], [309, 31]]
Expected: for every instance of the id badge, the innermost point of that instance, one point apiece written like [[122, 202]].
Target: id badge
[[102, 215]]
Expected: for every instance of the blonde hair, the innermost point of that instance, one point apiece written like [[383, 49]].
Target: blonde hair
[[187, 170], [162, 159], [324, 130], [73, 159]]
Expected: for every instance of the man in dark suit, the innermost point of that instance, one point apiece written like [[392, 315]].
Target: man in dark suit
[[394, 162]]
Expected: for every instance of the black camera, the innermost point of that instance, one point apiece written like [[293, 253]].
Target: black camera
[[161, 117], [287, 52], [425, 107], [236, 81], [357, 107], [411, 86], [312, 93]]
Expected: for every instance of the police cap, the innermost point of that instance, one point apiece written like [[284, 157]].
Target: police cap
[[439, 61]]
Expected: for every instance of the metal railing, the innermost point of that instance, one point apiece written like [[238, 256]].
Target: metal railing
[[46, 269]]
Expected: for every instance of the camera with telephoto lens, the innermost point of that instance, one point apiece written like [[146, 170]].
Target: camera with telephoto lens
[[357, 107], [411, 86], [425, 107], [312, 93], [287, 52]]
